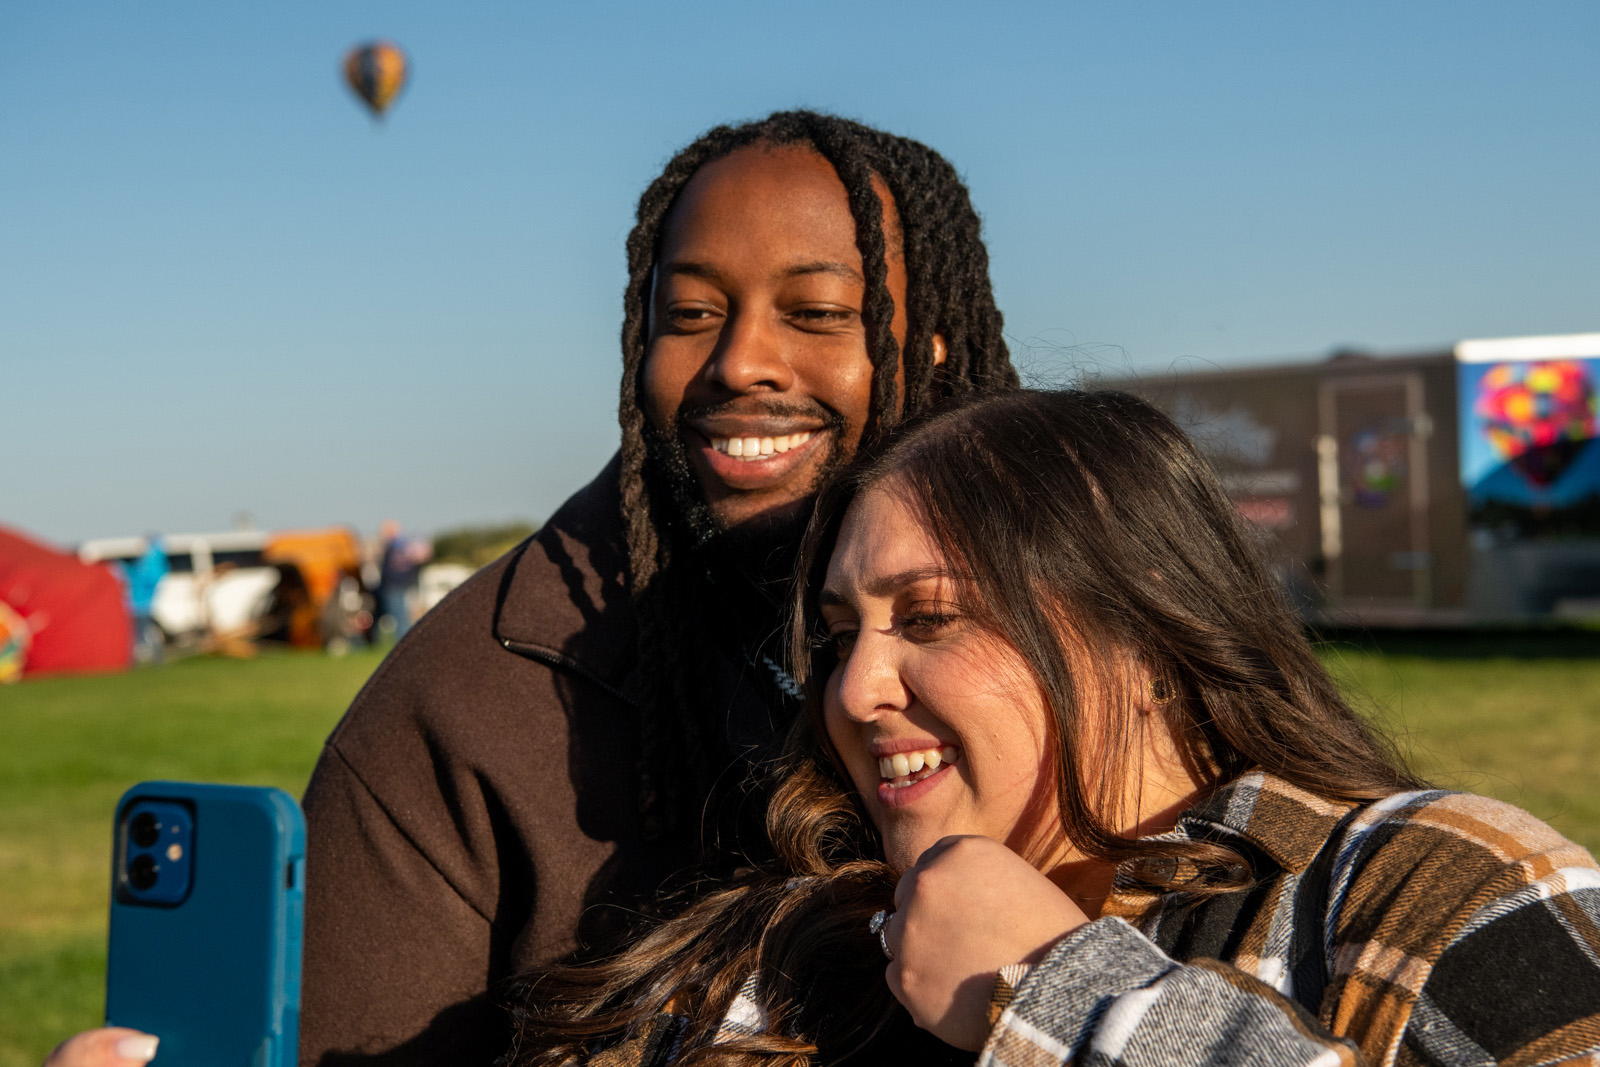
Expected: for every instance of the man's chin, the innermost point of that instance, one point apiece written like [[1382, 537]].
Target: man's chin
[[758, 530], [764, 537], [746, 519]]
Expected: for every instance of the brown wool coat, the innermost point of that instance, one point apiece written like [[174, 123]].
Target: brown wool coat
[[475, 812]]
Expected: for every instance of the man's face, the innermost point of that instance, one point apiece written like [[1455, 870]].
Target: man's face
[[757, 370]]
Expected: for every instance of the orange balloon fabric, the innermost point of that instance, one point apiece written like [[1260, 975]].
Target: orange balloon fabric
[[376, 72]]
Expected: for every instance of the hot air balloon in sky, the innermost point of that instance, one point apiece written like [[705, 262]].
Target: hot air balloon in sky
[[376, 72]]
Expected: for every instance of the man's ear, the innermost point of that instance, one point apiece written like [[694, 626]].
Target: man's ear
[[938, 350]]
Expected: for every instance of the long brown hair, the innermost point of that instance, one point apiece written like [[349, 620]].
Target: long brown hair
[[1092, 533], [1095, 536], [798, 925]]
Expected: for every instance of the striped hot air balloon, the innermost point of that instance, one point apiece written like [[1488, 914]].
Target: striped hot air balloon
[[376, 72]]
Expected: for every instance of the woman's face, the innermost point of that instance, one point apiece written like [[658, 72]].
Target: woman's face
[[940, 724]]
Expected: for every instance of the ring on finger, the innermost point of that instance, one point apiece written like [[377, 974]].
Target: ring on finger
[[879, 924]]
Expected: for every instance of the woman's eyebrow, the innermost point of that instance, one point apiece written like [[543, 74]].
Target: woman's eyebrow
[[893, 583], [830, 599], [884, 585]]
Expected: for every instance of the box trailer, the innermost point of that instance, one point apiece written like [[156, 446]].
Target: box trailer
[[1452, 487]]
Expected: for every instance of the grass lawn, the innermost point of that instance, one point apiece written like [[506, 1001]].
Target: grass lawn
[[1517, 717], [69, 747], [1513, 716]]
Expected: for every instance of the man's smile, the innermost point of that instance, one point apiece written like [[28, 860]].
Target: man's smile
[[752, 462], [755, 449]]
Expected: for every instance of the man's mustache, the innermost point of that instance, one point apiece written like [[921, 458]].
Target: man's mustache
[[745, 406]]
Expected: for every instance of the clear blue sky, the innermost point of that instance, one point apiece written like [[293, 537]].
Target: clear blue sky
[[223, 289]]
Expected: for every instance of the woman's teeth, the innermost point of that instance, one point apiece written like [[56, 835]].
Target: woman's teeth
[[756, 448], [905, 768]]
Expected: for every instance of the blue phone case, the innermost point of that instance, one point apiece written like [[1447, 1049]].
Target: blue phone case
[[207, 892]]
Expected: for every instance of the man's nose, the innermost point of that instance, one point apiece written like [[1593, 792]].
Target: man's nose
[[751, 355], [870, 684]]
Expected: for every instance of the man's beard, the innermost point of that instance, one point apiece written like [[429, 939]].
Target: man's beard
[[764, 546]]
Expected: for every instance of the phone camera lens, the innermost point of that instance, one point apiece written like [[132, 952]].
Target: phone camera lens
[[145, 829], [142, 872]]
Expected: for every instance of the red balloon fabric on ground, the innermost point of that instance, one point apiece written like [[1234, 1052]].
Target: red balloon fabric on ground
[[76, 612]]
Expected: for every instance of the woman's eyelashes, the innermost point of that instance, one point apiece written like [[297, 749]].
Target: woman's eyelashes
[[928, 624], [920, 625], [839, 642]]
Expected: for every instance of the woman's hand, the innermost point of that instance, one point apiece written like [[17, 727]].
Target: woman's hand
[[969, 907], [110, 1046]]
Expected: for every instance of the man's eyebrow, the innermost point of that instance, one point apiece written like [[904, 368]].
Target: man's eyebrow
[[844, 270], [692, 269], [887, 585]]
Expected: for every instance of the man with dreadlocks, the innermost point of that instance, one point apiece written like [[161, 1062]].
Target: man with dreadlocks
[[565, 732]]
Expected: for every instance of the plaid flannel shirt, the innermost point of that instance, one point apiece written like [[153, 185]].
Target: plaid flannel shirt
[[1435, 928], [657, 1043]]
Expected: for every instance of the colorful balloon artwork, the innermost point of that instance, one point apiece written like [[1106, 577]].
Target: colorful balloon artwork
[[14, 636], [1378, 467], [376, 72], [1538, 414]]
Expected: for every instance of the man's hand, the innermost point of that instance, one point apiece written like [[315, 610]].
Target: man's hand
[[110, 1046], [969, 907]]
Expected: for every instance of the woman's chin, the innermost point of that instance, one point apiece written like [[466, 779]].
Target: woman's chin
[[902, 851], [912, 818]]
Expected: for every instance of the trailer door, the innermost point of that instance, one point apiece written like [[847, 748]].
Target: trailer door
[[1373, 481]]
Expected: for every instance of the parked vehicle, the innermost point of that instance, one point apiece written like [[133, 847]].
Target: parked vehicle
[[1441, 488], [215, 582], [436, 581], [331, 605], [303, 587]]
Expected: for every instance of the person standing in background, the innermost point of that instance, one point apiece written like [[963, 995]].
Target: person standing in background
[[398, 572], [143, 575]]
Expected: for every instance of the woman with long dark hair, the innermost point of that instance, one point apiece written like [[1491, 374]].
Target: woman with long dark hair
[[1074, 787]]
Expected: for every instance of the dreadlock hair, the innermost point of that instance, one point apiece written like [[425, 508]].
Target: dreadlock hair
[[948, 293]]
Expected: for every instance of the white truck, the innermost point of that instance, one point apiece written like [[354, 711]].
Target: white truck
[[217, 583]]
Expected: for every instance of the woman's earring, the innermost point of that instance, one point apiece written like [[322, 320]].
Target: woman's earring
[[1161, 691]]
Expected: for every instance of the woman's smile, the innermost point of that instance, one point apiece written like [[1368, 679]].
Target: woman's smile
[[906, 775]]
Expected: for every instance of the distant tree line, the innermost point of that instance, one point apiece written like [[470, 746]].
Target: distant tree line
[[476, 546]]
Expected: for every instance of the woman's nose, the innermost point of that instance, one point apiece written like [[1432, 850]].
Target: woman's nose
[[750, 356], [870, 684]]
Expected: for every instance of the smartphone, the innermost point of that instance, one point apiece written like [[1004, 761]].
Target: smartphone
[[207, 894]]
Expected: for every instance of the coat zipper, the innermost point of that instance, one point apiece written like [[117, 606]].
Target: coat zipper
[[551, 658]]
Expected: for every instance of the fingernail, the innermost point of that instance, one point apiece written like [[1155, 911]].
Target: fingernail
[[141, 1049]]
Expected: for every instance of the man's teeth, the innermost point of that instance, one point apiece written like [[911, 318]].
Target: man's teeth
[[756, 448], [914, 766]]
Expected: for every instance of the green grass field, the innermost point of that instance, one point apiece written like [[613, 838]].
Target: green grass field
[[69, 747], [1517, 717]]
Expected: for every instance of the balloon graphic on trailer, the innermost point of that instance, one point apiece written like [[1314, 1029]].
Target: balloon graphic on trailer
[[1538, 414], [376, 72]]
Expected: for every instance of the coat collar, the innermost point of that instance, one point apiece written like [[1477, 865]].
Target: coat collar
[[564, 594], [1285, 823]]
